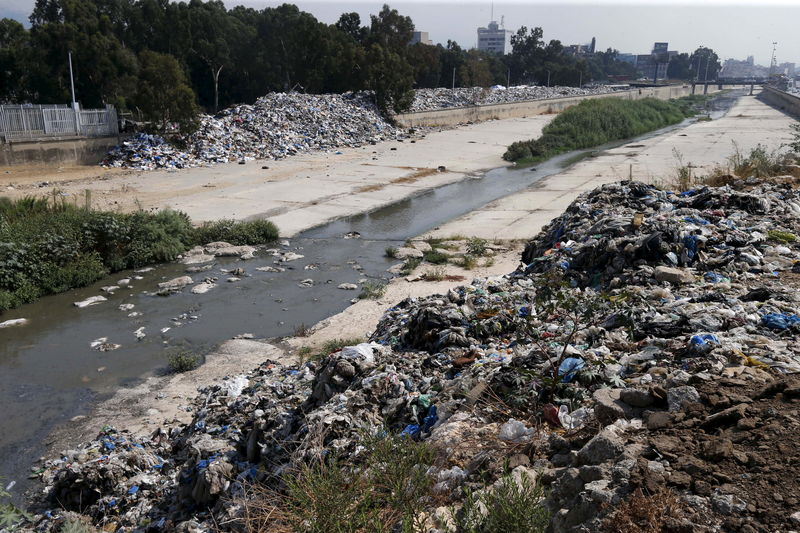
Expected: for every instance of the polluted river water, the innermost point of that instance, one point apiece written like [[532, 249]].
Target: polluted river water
[[49, 373]]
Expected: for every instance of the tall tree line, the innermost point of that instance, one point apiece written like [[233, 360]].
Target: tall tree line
[[214, 56]]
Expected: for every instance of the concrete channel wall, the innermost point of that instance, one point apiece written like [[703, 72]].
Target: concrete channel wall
[[459, 115], [77, 151], [788, 103]]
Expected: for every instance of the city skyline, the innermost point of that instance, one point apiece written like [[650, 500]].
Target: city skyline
[[734, 30]]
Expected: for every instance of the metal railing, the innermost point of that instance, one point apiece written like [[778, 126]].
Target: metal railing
[[32, 122]]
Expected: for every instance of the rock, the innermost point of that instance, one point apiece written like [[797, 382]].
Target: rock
[[94, 300], [289, 256], [727, 504], [202, 288], [422, 246], [197, 259], [126, 307], [270, 269], [658, 420], [715, 450], [306, 283], [603, 447], [675, 276], [13, 322], [242, 252], [678, 396], [139, 333], [795, 517], [405, 253], [636, 397], [348, 286], [109, 288], [608, 408], [174, 284]]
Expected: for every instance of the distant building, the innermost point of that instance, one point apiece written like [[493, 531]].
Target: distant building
[[581, 49], [420, 37], [653, 66], [494, 39], [787, 69], [627, 58]]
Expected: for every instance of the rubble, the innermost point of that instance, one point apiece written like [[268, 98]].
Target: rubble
[[613, 379], [432, 99], [275, 126]]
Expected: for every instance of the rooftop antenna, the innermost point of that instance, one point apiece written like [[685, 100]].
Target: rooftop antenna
[[492, 17], [502, 21]]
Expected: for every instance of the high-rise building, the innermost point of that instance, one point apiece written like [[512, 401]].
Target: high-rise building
[[494, 39], [420, 37]]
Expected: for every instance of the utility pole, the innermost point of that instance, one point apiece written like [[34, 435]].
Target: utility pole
[[71, 80], [508, 78], [580, 79], [75, 112], [697, 76], [548, 78], [454, 77]]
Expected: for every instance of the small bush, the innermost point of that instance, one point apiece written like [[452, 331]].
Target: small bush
[[410, 264], [387, 491], [334, 345], [372, 290], [179, 361], [476, 246], [434, 274], [10, 515], [391, 252], [468, 262], [513, 504], [436, 257], [641, 513]]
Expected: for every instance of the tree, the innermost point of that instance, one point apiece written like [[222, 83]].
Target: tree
[[164, 95], [14, 48], [392, 78], [391, 30], [350, 25], [680, 68], [705, 63]]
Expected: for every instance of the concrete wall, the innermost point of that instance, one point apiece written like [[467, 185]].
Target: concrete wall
[[788, 103], [459, 115], [75, 150]]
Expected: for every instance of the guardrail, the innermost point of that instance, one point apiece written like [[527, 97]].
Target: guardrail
[[34, 122]]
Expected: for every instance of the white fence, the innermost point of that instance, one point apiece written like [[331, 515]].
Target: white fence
[[31, 122]]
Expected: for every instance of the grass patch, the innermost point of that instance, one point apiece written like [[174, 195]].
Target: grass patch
[[642, 513], [49, 246], [372, 290], [595, 122], [391, 252], [410, 264], [435, 257], [434, 274], [179, 361], [468, 262], [236, 233], [386, 490], [513, 504], [781, 236]]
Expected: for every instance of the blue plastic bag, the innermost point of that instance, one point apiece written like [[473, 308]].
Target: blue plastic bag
[[779, 320], [569, 367]]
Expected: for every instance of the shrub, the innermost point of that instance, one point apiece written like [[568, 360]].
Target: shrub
[[251, 232], [513, 504], [387, 491], [595, 122], [434, 274], [391, 252], [372, 290], [410, 264], [468, 262], [179, 361], [477, 246], [436, 257]]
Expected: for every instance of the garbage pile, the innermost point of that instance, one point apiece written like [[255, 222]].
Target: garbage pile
[[638, 359], [432, 99], [276, 126]]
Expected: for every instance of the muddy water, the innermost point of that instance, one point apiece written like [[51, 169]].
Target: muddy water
[[49, 373]]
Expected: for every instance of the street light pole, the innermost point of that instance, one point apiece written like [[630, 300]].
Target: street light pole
[[71, 81], [508, 78], [454, 77], [548, 78]]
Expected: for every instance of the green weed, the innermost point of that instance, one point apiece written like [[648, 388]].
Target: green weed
[[390, 252], [179, 361], [436, 257], [372, 290], [477, 246]]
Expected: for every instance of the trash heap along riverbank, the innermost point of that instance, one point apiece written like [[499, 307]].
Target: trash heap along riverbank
[[639, 365]]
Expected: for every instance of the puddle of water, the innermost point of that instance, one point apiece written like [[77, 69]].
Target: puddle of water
[[48, 372]]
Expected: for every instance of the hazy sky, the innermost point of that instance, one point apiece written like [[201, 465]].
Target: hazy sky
[[732, 29]]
